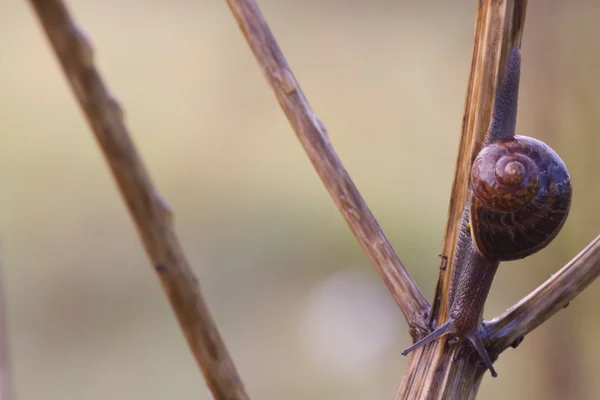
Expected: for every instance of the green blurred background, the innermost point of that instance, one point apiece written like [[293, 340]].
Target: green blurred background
[[303, 313]]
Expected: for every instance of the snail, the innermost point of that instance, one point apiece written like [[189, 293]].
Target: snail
[[521, 193], [518, 201]]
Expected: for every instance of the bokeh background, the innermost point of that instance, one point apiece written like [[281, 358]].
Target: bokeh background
[[303, 313]]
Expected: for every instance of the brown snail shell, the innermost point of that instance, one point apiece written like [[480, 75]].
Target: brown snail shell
[[521, 194]]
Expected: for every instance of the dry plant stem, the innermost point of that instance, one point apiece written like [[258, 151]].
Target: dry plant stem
[[442, 370], [313, 136], [498, 28], [149, 212], [545, 301], [5, 376]]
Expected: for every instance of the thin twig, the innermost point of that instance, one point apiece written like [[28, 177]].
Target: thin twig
[[5, 375], [552, 296], [313, 136], [150, 214]]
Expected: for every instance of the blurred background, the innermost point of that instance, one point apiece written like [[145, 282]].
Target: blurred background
[[303, 313]]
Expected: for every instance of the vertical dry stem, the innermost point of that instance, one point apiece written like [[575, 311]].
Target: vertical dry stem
[[498, 28], [442, 370], [5, 376]]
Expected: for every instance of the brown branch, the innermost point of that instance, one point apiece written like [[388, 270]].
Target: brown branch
[[552, 296], [440, 370], [5, 375], [498, 28], [149, 212], [313, 136]]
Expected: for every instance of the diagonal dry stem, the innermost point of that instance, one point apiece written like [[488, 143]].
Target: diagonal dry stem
[[150, 214], [549, 298], [313, 136]]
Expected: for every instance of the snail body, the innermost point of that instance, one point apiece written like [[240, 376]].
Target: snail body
[[519, 199]]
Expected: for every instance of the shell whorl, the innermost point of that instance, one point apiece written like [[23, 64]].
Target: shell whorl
[[521, 194]]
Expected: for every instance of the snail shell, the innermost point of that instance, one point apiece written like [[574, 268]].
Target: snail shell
[[521, 194]]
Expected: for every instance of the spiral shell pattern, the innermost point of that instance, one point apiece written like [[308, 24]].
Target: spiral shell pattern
[[520, 199]]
